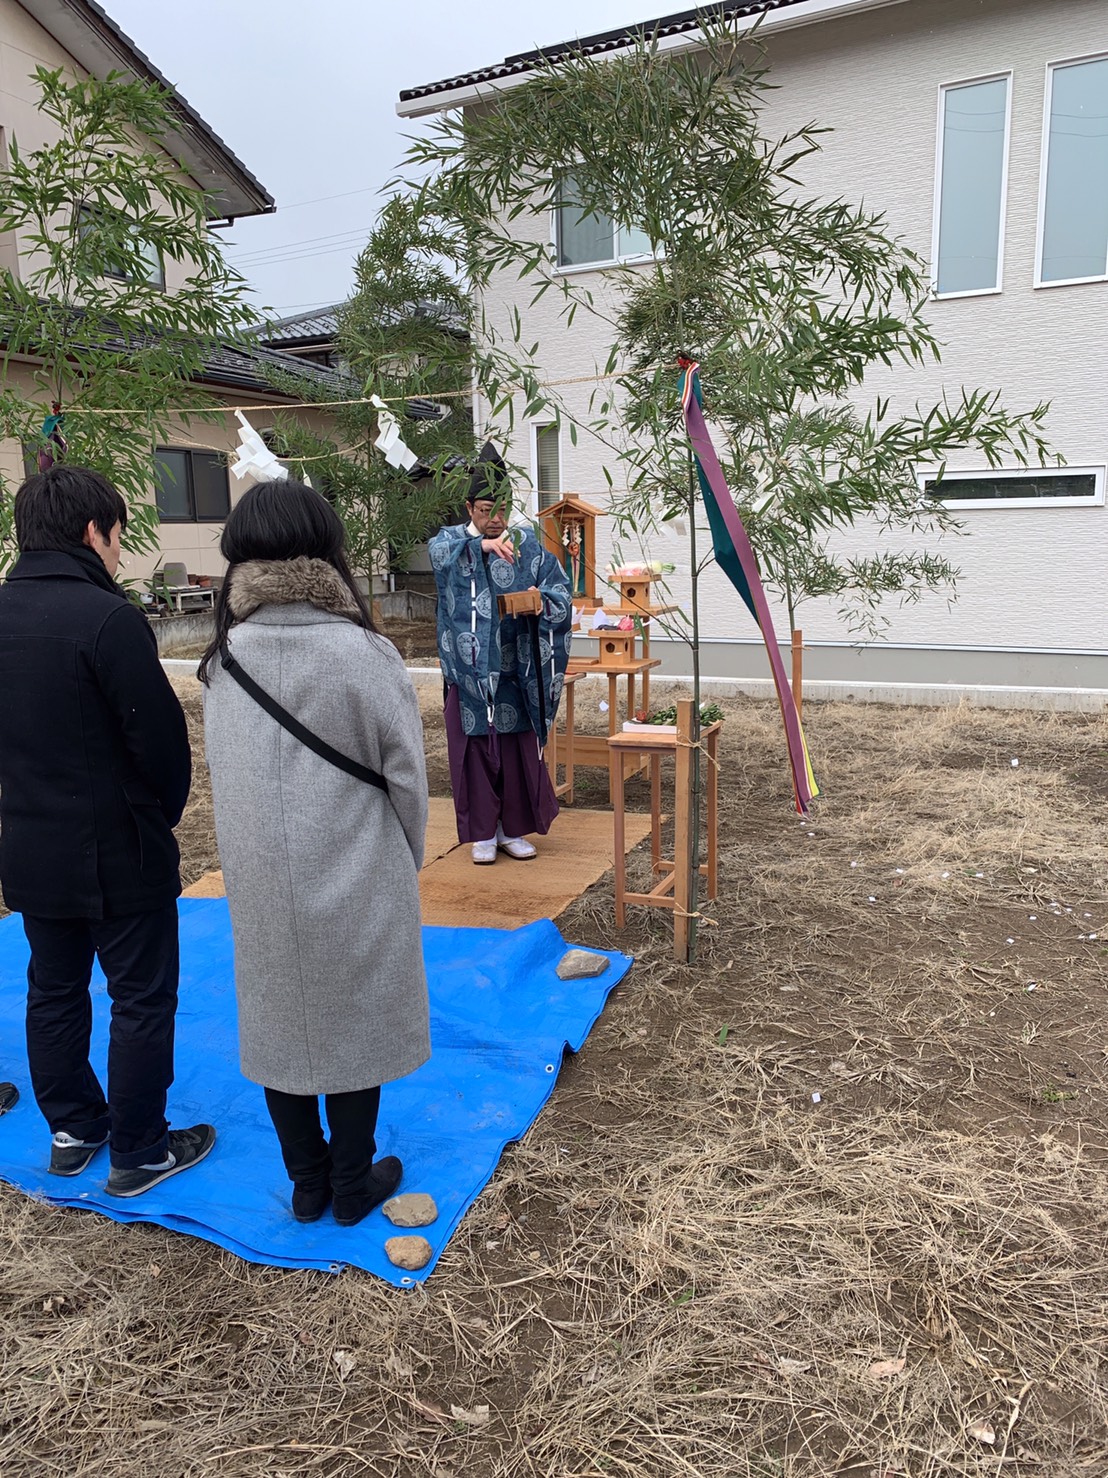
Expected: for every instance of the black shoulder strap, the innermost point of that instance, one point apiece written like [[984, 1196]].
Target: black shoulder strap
[[312, 741]]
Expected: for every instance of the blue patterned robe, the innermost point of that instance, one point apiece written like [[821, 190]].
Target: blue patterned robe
[[501, 678]]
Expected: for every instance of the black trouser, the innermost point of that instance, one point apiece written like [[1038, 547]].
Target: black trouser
[[139, 957], [348, 1161]]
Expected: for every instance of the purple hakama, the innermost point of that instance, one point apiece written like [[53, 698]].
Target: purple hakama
[[496, 778]]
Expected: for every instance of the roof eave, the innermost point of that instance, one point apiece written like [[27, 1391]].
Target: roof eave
[[313, 341], [803, 13], [94, 40]]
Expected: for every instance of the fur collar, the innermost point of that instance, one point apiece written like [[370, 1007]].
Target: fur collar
[[289, 582]]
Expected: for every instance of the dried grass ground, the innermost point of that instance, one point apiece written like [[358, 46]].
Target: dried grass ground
[[690, 1268]]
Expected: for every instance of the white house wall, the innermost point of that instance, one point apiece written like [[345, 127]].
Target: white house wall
[[1030, 605]]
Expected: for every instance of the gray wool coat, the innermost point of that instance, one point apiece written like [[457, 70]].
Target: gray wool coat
[[320, 867]]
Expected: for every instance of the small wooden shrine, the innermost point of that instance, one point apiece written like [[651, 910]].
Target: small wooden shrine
[[569, 533]]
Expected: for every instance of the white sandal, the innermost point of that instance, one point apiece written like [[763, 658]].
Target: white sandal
[[518, 848]]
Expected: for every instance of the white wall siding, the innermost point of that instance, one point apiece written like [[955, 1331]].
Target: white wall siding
[[1030, 577]]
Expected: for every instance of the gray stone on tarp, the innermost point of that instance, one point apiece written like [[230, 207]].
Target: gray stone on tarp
[[413, 1209], [411, 1253], [582, 964]]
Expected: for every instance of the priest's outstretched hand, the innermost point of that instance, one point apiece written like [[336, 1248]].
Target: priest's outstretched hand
[[501, 546]]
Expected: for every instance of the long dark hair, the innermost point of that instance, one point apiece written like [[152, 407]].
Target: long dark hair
[[276, 521]]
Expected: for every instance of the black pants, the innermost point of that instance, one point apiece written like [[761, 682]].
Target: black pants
[[139, 957], [348, 1161]]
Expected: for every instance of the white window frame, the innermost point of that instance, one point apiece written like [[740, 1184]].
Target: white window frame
[[631, 259], [961, 474], [1044, 164], [536, 494], [936, 217]]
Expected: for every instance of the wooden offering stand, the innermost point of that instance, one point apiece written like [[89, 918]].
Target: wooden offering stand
[[561, 747], [635, 601], [569, 533], [592, 749], [620, 655], [674, 890]]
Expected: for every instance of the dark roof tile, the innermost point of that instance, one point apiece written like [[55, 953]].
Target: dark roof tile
[[318, 324], [667, 25], [244, 369]]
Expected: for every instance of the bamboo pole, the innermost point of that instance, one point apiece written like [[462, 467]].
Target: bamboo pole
[[798, 671], [685, 841]]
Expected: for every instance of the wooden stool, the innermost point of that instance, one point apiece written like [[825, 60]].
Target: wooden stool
[[674, 890]]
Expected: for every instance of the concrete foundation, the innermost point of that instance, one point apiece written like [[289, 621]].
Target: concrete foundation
[[174, 632], [934, 695], [405, 605]]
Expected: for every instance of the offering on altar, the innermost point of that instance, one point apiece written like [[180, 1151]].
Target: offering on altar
[[642, 570]]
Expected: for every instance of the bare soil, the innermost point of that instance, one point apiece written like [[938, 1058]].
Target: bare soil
[[415, 640], [832, 1201]]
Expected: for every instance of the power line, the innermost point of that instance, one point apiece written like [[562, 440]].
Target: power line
[[265, 251], [301, 256], [319, 199], [318, 303], [297, 256]]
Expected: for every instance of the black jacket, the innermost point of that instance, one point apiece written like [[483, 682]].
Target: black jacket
[[94, 754]]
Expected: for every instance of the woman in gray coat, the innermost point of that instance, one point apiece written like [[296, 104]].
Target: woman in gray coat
[[320, 864]]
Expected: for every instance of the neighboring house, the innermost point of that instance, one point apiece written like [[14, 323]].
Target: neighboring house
[[190, 479], [980, 128], [310, 337], [193, 486]]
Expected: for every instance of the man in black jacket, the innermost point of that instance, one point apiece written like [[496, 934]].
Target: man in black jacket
[[94, 774]]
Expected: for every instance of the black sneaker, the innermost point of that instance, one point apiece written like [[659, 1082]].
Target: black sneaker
[[69, 1156], [9, 1097], [187, 1147], [383, 1180]]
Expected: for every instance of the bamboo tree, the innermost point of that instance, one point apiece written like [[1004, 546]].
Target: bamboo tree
[[99, 216], [411, 335], [787, 302]]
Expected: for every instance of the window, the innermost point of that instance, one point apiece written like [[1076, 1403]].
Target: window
[[1073, 233], [191, 487], [548, 468], [88, 218], [594, 240], [972, 179], [1065, 487]]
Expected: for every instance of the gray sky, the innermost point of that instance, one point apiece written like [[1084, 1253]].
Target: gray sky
[[305, 95]]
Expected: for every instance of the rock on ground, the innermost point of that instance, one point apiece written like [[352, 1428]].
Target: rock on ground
[[411, 1253], [413, 1209], [581, 964]]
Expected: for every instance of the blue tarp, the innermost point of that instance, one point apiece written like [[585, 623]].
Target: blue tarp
[[500, 1021]]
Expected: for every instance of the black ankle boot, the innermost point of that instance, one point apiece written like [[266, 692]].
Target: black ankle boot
[[383, 1180], [311, 1201]]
